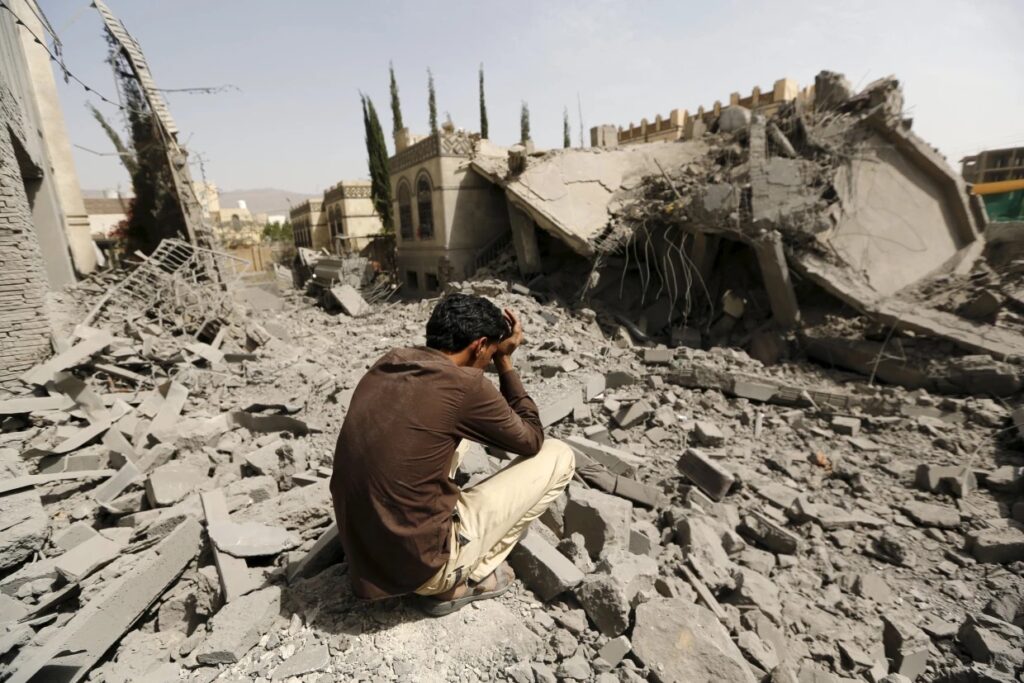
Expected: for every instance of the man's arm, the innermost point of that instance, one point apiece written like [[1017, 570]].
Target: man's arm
[[508, 420]]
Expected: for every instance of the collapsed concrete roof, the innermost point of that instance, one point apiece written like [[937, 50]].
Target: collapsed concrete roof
[[842, 191], [568, 192]]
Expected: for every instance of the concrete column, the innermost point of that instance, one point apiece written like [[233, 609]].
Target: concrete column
[[61, 166], [772, 260], [524, 239]]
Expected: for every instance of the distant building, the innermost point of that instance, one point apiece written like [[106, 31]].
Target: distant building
[[309, 226], [681, 125], [236, 226], [997, 176], [447, 217], [350, 215], [106, 214], [208, 195]]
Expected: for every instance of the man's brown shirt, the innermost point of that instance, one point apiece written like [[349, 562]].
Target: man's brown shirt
[[393, 498]]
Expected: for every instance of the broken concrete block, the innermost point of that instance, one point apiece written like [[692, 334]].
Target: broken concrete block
[[251, 539], [307, 660], [905, 645], [992, 641], [551, 413], [713, 479], [23, 527], [350, 300], [708, 434], [87, 557], [659, 356], [593, 386], [324, 553], [926, 514], [233, 572], [170, 483], [616, 460], [873, 587], [753, 589], [633, 414], [76, 355], [703, 548], [682, 641], [849, 426], [998, 546], [1005, 479], [611, 653], [953, 479], [238, 626], [607, 595], [97, 626], [778, 494], [265, 460], [543, 569], [602, 519]]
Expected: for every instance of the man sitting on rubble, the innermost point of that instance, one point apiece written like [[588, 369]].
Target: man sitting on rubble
[[405, 526]]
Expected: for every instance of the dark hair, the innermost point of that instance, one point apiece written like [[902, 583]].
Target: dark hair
[[460, 319]]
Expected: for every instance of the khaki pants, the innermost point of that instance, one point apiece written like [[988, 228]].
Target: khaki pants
[[492, 515]]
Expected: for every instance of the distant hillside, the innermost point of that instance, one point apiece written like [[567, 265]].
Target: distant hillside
[[264, 200]]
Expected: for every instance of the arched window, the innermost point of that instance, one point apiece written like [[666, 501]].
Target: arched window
[[425, 206], [236, 222], [405, 210]]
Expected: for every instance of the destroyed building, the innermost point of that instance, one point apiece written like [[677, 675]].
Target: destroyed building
[[746, 508]]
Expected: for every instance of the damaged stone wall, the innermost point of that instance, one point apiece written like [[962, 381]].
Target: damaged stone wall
[[24, 327]]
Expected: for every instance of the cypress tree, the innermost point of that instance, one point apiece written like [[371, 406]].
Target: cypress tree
[[396, 106], [566, 141], [155, 212], [483, 106], [377, 158], [524, 123], [432, 102]]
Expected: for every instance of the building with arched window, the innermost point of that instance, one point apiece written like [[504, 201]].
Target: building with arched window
[[309, 225], [448, 217], [350, 216]]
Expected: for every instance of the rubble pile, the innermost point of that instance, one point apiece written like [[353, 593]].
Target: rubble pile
[[822, 228], [166, 516]]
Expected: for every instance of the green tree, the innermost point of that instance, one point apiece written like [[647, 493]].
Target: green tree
[[483, 106], [396, 106], [278, 232], [432, 102], [377, 156], [524, 123], [566, 141], [155, 212]]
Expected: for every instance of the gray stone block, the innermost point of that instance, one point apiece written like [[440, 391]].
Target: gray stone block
[[238, 626], [712, 479], [602, 519], [543, 569]]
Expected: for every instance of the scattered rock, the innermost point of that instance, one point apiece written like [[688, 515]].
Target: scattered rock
[[679, 642]]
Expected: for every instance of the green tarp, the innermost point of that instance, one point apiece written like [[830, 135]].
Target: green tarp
[[1005, 206]]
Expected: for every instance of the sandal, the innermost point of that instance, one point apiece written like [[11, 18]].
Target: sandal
[[439, 608]]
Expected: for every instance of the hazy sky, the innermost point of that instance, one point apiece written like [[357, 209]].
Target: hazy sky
[[295, 122]]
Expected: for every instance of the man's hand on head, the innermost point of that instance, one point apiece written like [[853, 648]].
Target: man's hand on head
[[509, 344]]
